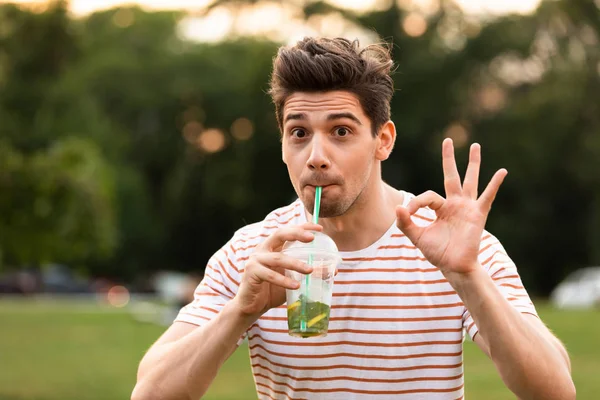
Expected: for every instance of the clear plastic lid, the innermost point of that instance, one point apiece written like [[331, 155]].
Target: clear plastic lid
[[322, 245]]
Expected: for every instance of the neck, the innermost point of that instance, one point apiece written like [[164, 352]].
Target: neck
[[367, 219]]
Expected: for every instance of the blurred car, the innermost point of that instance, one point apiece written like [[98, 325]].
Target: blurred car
[[51, 278], [581, 289], [21, 282], [57, 278]]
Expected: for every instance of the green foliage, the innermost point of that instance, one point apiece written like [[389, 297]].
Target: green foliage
[[123, 88], [60, 204]]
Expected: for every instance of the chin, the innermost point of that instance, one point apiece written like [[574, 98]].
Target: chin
[[331, 209]]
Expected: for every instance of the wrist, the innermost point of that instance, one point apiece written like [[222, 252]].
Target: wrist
[[237, 312], [473, 275]]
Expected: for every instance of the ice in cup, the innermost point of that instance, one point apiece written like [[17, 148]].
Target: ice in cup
[[308, 307]]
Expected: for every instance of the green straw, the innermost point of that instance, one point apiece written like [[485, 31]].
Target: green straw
[[310, 258]]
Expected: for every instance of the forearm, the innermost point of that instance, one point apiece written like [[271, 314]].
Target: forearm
[[529, 361], [185, 369]]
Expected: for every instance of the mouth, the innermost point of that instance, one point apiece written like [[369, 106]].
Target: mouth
[[321, 185], [313, 188]]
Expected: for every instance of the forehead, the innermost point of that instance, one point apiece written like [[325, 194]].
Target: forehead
[[322, 103]]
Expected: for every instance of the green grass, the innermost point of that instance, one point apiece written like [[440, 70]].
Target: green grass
[[65, 352]]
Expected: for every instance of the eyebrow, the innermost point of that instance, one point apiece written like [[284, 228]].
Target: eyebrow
[[330, 117]]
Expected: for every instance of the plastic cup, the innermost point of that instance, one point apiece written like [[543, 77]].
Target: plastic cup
[[308, 307]]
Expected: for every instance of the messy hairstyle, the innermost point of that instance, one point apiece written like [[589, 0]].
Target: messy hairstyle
[[321, 64]]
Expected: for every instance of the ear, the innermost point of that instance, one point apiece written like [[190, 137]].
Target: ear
[[385, 141], [283, 153]]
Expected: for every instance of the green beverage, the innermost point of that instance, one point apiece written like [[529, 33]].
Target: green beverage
[[315, 317]]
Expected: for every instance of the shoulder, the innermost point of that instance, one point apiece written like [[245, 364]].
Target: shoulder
[[253, 234]]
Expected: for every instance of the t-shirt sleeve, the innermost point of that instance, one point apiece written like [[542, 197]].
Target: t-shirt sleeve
[[503, 272], [218, 286]]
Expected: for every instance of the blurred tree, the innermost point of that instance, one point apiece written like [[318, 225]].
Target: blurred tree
[[187, 148], [56, 201], [56, 204]]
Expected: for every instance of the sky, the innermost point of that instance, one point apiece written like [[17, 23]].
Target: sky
[[266, 19]]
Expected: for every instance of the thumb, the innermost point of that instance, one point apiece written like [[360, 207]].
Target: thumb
[[406, 225]]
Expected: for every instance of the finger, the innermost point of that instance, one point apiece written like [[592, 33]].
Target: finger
[[264, 274], [407, 226], [472, 176], [451, 177], [289, 234], [279, 260], [489, 194], [428, 199]]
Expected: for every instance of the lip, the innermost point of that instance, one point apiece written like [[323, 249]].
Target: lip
[[314, 186], [323, 187]]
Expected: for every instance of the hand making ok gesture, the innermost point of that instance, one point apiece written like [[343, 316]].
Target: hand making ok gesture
[[452, 241]]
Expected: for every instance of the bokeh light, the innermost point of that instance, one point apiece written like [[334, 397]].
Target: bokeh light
[[458, 133], [414, 25], [211, 140], [118, 296], [123, 18], [191, 131], [491, 98], [242, 129]]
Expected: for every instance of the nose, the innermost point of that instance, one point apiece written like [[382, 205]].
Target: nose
[[318, 159]]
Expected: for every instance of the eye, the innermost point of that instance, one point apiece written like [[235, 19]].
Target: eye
[[342, 131], [298, 133]]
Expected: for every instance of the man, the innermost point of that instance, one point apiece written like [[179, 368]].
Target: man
[[416, 270]]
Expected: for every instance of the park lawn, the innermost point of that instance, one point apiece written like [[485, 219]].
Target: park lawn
[[84, 351]]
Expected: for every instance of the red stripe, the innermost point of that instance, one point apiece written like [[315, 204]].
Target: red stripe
[[214, 290], [231, 263], [386, 282], [470, 326], [397, 246], [391, 307], [247, 247], [273, 390], [371, 332], [423, 217], [194, 315], [511, 286], [279, 222], [354, 379], [398, 294], [499, 262], [251, 238], [289, 209], [360, 344], [421, 319], [487, 247], [398, 258], [265, 394], [206, 274], [355, 367], [493, 255], [199, 293], [346, 390], [501, 269], [206, 308], [355, 355], [507, 277], [352, 270], [227, 274], [218, 282]]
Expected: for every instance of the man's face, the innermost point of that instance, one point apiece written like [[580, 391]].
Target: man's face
[[328, 142]]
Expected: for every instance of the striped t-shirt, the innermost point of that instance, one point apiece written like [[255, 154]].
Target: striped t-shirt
[[396, 325]]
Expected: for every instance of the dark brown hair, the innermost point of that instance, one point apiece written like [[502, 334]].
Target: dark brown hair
[[321, 64]]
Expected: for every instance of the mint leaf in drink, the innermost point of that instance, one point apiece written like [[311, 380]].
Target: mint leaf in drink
[[315, 313]]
